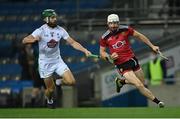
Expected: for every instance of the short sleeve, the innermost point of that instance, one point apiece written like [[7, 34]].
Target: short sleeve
[[36, 33], [130, 30], [65, 34], [103, 43]]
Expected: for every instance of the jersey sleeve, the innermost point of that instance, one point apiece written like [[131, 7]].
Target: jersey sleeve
[[103, 43], [36, 33], [65, 34], [130, 31]]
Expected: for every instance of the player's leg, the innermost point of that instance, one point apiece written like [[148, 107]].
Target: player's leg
[[132, 79], [68, 78], [122, 68], [119, 82], [50, 86], [46, 70], [50, 90], [140, 75], [59, 92]]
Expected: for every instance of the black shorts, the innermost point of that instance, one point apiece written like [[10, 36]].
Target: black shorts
[[132, 64]]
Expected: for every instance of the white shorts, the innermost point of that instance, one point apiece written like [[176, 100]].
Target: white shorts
[[47, 68]]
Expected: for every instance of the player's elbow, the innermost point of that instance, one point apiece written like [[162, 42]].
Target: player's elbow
[[28, 39]]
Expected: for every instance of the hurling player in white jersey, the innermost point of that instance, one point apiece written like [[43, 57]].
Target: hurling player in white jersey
[[50, 61]]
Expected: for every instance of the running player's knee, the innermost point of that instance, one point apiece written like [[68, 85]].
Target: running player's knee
[[71, 82]]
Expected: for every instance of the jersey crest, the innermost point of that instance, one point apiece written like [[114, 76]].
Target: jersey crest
[[52, 43]]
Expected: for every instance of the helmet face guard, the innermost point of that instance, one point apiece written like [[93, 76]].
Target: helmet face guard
[[113, 22]]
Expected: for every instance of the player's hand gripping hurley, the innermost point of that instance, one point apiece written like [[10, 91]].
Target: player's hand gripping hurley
[[97, 56], [162, 56], [156, 50]]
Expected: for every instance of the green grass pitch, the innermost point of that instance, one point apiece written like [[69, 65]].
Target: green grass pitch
[[168, 112]]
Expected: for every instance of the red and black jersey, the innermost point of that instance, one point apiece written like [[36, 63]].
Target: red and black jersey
[[118, 42]]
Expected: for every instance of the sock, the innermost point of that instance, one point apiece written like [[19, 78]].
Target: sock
[[156, 100], [58, 82], [122, 82]]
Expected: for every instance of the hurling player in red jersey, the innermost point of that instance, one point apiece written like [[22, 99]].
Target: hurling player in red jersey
[[116, 40]]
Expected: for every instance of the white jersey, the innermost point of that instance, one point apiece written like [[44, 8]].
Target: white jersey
[[49, 41], [50, 60]]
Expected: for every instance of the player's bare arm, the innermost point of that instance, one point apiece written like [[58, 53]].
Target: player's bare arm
[[104, 55], [29, 39], [145, 40], [103, 52], [78, 46]]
